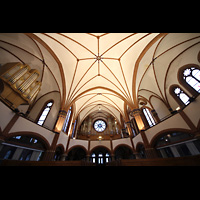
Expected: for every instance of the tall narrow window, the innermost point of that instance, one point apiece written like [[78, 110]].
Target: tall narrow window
[[182, 96], [67, 119], [45, 112], [149, 117], [93, 158], [100, 158], [192, 77], [107, 157], [74, 128]]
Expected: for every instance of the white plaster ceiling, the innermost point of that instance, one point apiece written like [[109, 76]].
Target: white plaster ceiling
[[97, 69]]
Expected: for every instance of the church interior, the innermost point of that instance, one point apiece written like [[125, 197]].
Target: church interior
[[99, 99]]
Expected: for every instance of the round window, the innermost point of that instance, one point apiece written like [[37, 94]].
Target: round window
[[100, 125]]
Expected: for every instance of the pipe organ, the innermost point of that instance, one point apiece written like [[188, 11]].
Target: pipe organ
[[19, 83]]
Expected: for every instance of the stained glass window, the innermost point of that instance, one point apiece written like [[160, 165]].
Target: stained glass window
[[182, 96], [99, 125], [192, 77]]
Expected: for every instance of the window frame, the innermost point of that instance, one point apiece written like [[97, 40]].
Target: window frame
[[177, 99], [65, 127], [183, 82], [97, 128], [42, 110], [149, 117]]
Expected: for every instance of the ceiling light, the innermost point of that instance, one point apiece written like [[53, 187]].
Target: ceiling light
[[100, 137], [178, 108]]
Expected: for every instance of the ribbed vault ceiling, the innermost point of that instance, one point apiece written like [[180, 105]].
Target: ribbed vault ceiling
[[95, 71], [98, 68]]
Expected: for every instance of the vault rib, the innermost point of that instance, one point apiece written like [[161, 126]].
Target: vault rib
[[94, 105], [82, 78], [73, 79], [124, 78], [77, 43], [145, 49], [104, 88], [112, 102], [115, 78], [71, 97], [60, 44], [117, 43], [134, 44], [114, 85]]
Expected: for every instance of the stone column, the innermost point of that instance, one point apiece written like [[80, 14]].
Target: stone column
[[150, 152], [61, 119], [137, 114]]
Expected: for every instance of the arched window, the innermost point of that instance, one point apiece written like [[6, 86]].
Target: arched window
[[149, 117], [176, 144], [192, 77], [67, 119], [45, 113], [93, 158], [74, 128], [181, 95], [100, 158], [107, 157]]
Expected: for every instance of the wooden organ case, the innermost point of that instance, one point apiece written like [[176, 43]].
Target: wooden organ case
[[19, 84]]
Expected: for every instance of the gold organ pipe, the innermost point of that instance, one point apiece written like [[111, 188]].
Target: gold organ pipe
[[28, 82], [19, 74]]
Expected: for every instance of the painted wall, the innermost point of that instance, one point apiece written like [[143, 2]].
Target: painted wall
[[100, 143], [5, 115], [175, 121], [24, 125], [192, 111], [52, 116], [122, 141]]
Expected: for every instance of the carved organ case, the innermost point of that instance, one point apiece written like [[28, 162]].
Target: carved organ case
[[19, 84]]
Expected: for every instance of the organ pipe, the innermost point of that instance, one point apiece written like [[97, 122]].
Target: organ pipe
[[19, 79]]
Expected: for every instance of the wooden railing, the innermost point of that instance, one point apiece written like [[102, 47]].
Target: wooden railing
[[180, 161]]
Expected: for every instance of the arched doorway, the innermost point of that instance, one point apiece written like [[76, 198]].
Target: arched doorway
[[141, 150], [25, 146], [175, 143], [58, 153], [100, 156], [123, 152], [76, 153]]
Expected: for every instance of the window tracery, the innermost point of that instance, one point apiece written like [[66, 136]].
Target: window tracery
[[99, 125], [181, 95], [192, 77]]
